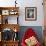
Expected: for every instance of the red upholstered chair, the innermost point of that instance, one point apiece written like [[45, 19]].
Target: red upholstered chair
[[28, 34]]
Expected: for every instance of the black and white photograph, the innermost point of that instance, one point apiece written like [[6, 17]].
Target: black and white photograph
[[31, 13]]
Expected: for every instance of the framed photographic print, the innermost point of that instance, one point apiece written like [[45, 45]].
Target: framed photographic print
[[30, 13], [5, 12]]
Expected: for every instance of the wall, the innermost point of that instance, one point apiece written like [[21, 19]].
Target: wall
[[32, 3], [37, 29], [26, 3]]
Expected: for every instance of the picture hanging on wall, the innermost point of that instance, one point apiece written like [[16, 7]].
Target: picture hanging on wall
[[30, 13]]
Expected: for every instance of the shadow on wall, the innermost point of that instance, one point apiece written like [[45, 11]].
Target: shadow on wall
[[37, 29]]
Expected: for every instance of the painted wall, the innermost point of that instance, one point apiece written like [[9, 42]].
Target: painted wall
[[26, 3]]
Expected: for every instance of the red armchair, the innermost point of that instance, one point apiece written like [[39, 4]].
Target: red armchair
[[29, 36]]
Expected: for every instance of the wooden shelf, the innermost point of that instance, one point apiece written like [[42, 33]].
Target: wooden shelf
[[11, 26], [4, 13], [10, 43], [9, 9]]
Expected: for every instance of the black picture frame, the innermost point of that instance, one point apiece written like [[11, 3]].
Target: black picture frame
[[30, 13]]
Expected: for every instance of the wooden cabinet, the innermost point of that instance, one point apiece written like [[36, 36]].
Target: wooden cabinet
[[10, 43], [7, 26]]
